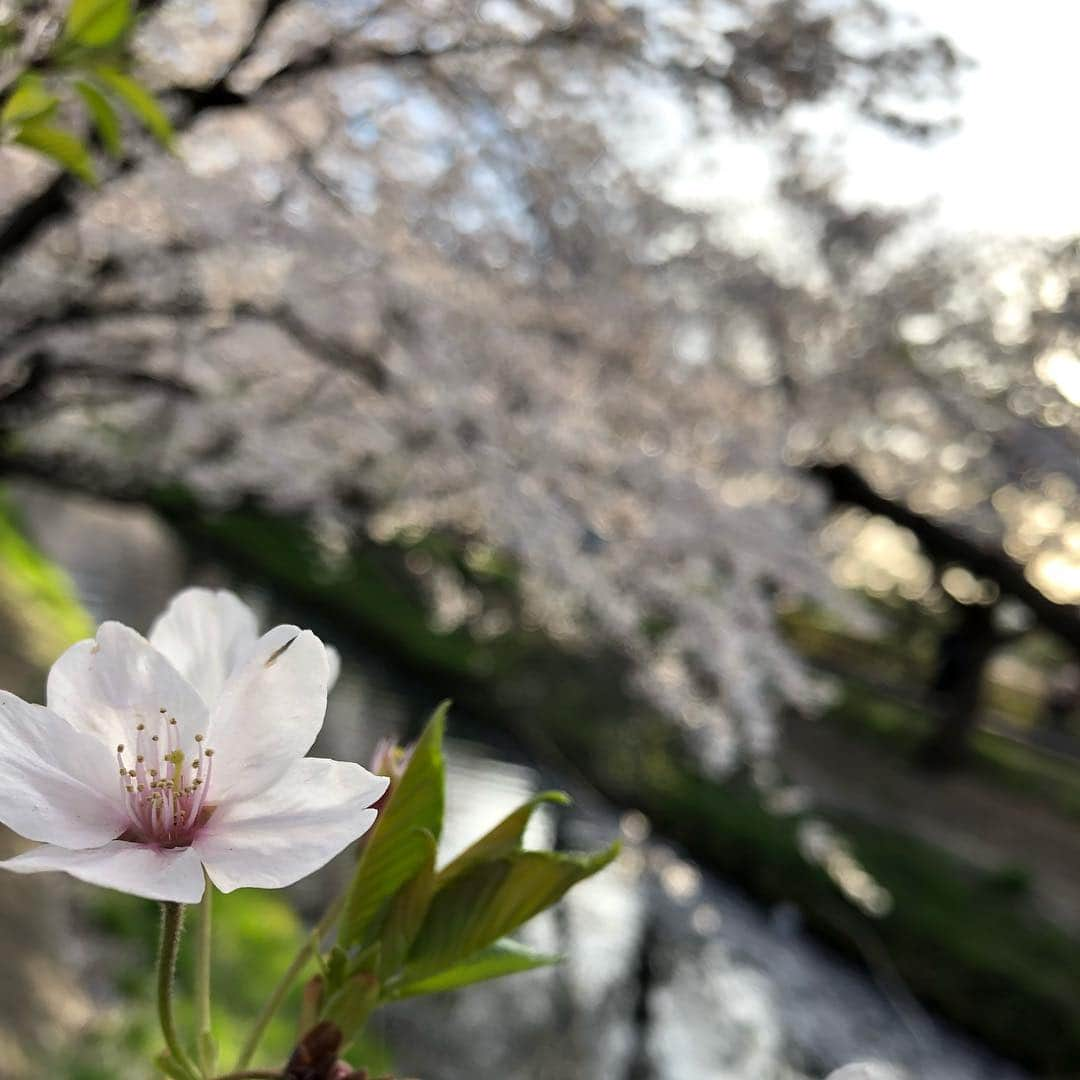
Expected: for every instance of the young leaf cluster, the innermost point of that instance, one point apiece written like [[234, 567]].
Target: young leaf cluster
[[408, 929], [84, 65]]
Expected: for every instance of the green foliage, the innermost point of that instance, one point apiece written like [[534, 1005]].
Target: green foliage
[[139, 101], [89, 66], [64, 148], [503, 958], [104, 117], [479, 906], [408, 930], [504, 839], [398, 845], [36, 597], [406, 913], [96, 24], [28, 102]]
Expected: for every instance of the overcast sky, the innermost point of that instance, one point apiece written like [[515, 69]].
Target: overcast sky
[[1012, 166]]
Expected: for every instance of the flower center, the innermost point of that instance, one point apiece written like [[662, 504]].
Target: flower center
[[164, 795]]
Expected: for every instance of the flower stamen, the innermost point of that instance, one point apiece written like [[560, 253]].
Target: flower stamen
[[165, 795]]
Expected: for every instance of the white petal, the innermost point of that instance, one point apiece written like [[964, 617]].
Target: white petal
[[155, 874], [109, 684], [205, 634], [333, 664], [288, 831], [56, 784], [269, 714]]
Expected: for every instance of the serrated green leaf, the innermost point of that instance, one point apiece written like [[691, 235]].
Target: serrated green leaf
[[396, 847], [503, 958], [139, 101], [29, 100], [504, 839], [61, 146], [350, 1007], [97, 23], [103, 115], [406, 914], [481, 905]]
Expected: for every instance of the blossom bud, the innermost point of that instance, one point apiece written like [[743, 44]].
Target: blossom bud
[[390, 759]]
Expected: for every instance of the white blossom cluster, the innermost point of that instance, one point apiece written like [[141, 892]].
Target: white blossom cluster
[[420, 268]]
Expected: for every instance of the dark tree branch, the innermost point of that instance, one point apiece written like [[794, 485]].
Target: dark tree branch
[[944, 545]]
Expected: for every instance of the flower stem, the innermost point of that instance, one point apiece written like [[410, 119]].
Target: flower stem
[[172, 919], [204, 1048], [273, 1003]]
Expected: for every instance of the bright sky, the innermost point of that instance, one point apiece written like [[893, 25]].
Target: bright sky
[[1012, 167]]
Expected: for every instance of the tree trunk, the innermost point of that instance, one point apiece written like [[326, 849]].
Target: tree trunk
[[957, 687]]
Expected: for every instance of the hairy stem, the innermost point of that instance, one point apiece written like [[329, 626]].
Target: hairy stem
[[273, 1003], [172, 919], [202, 981]]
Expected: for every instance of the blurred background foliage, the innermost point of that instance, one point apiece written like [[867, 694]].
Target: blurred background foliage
[[605, 367]]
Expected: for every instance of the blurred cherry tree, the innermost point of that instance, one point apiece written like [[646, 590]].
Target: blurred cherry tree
[[570, 282]]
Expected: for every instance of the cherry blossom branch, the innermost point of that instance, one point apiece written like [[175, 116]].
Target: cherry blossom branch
[[172, 918], [273, 1003]]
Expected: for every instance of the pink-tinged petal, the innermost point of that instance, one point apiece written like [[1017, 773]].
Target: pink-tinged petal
[[288, 831], [269, 713], [56, 784], [108, 684], [144, 871], [205, 634]]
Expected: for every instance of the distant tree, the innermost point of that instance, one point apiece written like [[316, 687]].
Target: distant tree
[[437, 271]]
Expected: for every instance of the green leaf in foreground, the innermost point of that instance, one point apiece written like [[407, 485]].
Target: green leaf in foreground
[[97, 23], [396, 847], [503, 958], [103, 115], [63, 147], [406, 914], [483, 904], [350, 1007], [138, 100], [504, 839], [30, 100]]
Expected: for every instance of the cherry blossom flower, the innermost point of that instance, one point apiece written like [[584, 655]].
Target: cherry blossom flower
[[156, 758]]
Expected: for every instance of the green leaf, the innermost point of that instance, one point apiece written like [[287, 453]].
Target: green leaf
[[397, 848], [336, 967], [481, 905], [30, 100], [350, 1007], [504, 839], [106, 122], [97, 23], [406, 914], [138, 100], [61, 146], [503, 958]]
